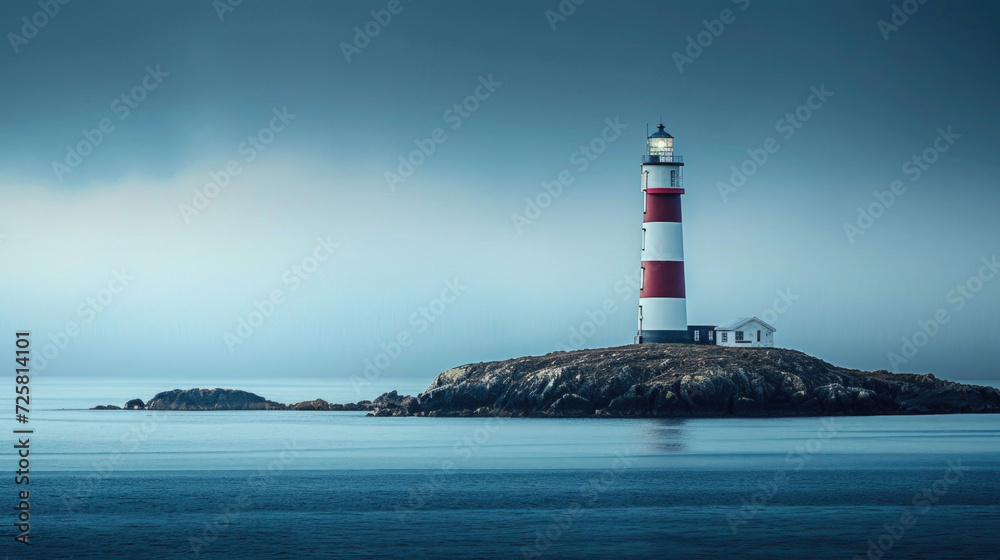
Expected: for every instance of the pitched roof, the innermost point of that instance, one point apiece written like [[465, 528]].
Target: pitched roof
[[739, 322]]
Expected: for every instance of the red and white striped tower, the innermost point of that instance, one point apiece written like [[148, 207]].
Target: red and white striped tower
[[662, 307]]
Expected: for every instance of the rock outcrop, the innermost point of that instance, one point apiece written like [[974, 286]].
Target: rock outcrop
[[135, 404], [320, 404], [352, 407], [651, 380], [210, 399], [227, 399], [392, 404]]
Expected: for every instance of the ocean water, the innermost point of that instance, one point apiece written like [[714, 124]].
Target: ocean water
[[141, 484]]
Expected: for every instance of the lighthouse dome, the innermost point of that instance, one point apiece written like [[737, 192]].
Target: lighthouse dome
[[660, 133]]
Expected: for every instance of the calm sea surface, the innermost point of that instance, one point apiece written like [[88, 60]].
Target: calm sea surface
[[141, 484]]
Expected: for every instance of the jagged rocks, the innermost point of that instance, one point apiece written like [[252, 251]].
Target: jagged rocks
[[391, 404], [352, 407], [572, 405], [681, 380], [317, 404]]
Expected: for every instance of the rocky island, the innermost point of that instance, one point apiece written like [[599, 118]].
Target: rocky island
[[227, 399], [653, 380], [636, 381]]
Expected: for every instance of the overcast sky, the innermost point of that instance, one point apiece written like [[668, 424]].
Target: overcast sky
[[118, 116]]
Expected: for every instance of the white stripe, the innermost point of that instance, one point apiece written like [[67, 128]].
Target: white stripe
[[659, 176], [664, 241], [664, 314]]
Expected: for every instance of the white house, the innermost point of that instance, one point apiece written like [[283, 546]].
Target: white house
[[745, 332]]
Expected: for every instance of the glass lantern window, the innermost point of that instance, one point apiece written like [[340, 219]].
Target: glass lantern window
[[661, 146]]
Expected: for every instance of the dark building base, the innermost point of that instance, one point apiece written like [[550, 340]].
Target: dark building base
[[676, 337], [702, 334]]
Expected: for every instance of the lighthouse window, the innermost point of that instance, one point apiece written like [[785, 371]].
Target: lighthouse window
[[642, 277], [643, 239], [673, 178]]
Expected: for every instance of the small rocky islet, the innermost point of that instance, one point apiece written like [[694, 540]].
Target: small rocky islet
[[639, 381], [227, 399]]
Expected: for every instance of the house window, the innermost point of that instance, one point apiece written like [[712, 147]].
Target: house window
[[739, 336], [697, 333], [711, 335], [758, 336], [725, 337]]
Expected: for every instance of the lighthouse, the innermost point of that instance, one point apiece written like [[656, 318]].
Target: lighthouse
[[662, 307]]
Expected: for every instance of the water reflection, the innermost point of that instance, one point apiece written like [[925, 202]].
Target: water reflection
[[666, 435]]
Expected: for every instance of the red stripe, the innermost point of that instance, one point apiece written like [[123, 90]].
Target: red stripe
[[665, 191], [662, 208], [662, 279]]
